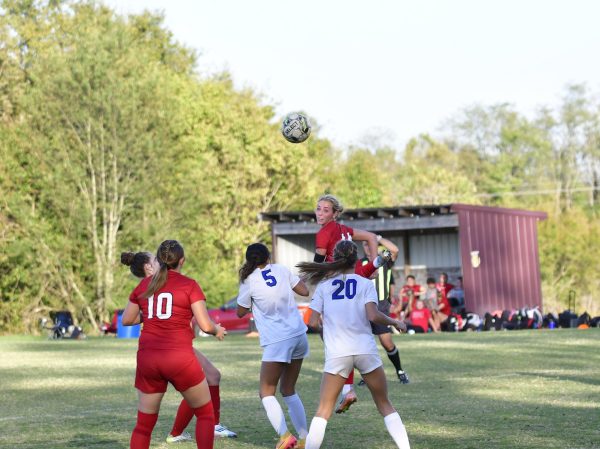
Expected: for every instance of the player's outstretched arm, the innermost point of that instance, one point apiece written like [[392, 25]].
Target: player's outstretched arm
[[300, 289], [206, 324], [368, 237], [314, 322], [242, 311], [375, 316], [131, 314], [389, 245]]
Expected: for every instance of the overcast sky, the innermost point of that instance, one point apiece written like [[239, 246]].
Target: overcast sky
[[390, 67]]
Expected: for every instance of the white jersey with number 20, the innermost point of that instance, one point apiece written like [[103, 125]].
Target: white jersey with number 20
[[341, 302]]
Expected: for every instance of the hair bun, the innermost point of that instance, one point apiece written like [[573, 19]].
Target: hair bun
[[127, 258]]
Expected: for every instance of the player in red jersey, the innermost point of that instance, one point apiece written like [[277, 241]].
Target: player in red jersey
[[328, 209], [167, 302], [143, 264], [443, 310], [327, 212]]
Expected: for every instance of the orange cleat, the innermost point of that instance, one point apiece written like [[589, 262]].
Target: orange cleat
[[286, 441], [349, 399]]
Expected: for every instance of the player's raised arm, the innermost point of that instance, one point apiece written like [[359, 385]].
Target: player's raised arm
[[370, 238]]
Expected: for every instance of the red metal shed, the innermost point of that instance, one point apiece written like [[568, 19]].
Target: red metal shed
[[499, 255]]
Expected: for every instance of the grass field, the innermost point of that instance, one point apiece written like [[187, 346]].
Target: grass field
[[522, 389]]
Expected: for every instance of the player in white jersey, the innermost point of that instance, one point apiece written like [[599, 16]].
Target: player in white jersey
[[346, 304], [268, 289]]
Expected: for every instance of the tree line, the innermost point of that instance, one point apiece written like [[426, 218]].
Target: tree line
[[111, 140]]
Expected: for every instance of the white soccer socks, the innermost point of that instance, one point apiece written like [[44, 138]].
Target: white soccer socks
[[316, 433], [275, 414], [393, 423], [297, 414], [396, 428]]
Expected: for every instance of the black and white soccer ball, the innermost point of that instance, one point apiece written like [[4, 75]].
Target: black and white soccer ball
[[295, 127]]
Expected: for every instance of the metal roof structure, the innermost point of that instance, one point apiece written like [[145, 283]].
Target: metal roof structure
[[375, 219]]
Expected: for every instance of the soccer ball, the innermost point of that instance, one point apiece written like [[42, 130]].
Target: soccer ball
[[295, 127]]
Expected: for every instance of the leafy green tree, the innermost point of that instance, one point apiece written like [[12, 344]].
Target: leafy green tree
[[97, 102]]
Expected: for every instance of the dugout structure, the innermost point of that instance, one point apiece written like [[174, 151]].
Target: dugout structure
[[494, 249]]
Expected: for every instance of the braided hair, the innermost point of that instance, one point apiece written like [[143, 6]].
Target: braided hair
[[256, 254], [169, 253], [345, 255]]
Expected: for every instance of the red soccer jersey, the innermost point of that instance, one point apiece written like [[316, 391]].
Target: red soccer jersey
[[167, 313], [416, 293], [329, 235], [420, 317], [444, 289], [445, 306]]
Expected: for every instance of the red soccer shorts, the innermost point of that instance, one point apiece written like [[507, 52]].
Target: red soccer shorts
[[156, 368]]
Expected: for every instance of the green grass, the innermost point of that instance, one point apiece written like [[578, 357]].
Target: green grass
[[521, 389]]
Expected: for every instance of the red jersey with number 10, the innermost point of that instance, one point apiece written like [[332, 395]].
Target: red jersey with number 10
[[167, 313], [329, 235]]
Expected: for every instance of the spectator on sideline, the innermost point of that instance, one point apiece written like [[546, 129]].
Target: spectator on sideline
[[456, 297], [409, 293], [419, 318]]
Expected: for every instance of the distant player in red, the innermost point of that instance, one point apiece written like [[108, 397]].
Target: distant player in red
[[143, 264], [443, 310], [329, 208], [167, 302]]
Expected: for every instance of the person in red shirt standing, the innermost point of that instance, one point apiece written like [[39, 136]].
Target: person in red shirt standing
[[410, 292], [143, 264], [443, 310], [167, 302], [328, 209]]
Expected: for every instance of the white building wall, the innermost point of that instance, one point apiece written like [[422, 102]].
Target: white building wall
[[434, 250], [293, 249]]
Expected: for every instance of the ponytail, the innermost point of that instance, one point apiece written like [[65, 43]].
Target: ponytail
[[256, 254], [345, 255], [169, 253]]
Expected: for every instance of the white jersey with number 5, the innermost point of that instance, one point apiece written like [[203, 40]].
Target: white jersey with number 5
[[268, 292], [341, 302]]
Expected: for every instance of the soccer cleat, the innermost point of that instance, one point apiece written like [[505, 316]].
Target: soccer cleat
[[382, 259], [180, 438], [223, 432], [403, 377], [386, 256], [286, 441], [349, 399]]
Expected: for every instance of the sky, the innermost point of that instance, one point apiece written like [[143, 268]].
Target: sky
[[379, 72]]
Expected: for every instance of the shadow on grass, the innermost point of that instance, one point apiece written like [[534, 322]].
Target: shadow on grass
[[84, 440], [563, 377]]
